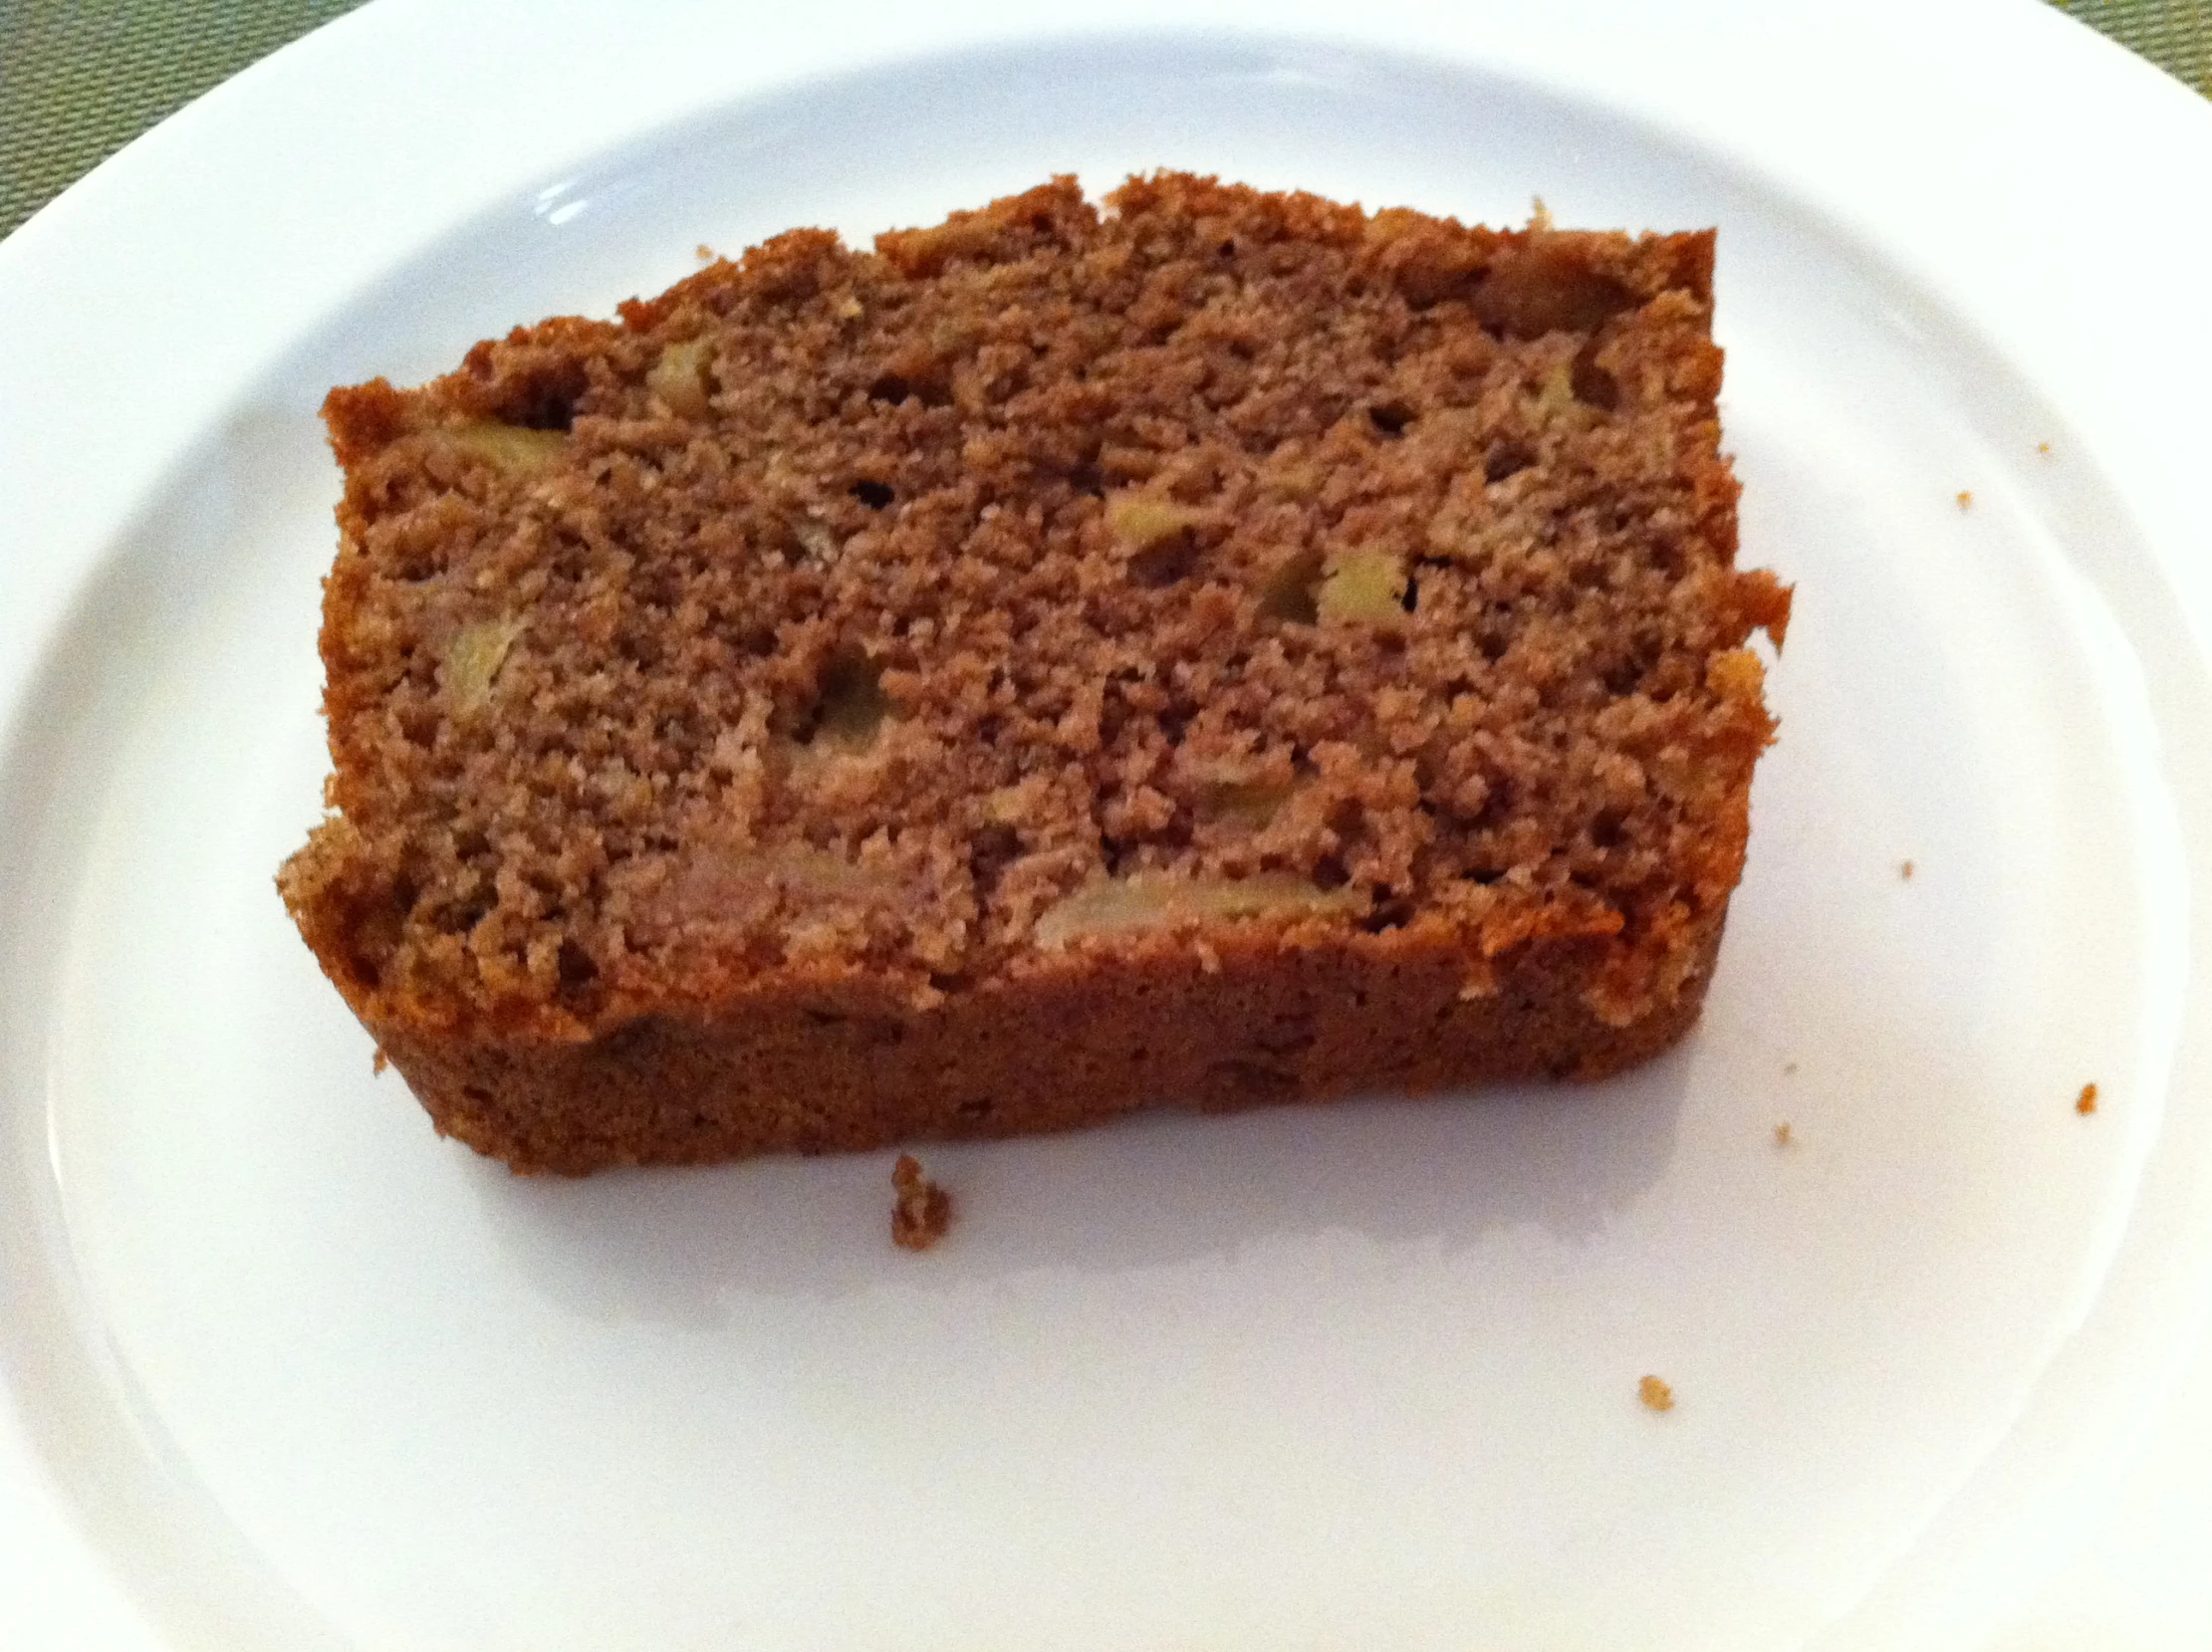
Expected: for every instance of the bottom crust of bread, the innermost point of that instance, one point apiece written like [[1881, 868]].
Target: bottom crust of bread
[[1241, 1023]]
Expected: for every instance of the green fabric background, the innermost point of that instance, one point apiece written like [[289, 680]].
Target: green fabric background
[[78, 78]]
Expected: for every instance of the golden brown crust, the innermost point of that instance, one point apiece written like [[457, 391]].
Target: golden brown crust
[[982, 686], [853, 1068]]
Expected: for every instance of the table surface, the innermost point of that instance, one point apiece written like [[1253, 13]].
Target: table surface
[[78, 78]]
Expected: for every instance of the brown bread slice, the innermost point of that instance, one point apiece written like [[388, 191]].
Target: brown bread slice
[[1220, 649]]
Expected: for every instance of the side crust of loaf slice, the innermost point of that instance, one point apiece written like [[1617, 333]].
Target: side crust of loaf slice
[[1217, 649]]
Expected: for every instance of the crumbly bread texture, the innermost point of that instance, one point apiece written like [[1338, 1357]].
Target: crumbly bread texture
[[921, 1211], [1221, 649]]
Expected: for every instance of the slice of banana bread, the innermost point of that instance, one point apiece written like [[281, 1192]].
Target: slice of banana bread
[[1220, 649]]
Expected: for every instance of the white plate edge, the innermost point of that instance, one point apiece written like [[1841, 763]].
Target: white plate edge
[[136, 207]]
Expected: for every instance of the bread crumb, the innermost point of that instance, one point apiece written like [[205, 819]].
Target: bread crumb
[[1540, 216], [921, 1211], [378, 1062], [1657, 1395], [1788, 1068], [2085, 1102], [2043, 447], [1782, 1136], [1904, 871], [1966, 500], [705, 253]]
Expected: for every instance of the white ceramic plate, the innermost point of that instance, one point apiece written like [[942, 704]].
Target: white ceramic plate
[[282, 1370]]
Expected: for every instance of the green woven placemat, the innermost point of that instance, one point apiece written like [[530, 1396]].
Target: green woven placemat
[[80, 79], [2176, 35]]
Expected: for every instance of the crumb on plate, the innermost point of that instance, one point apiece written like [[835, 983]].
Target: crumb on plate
[[1656, 1394], [1904, 871], [2085, 1102], [1782, 1135], [921, 1211], [1966, 500]]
